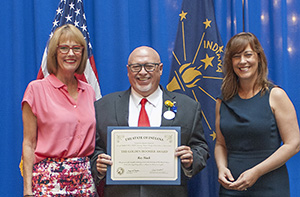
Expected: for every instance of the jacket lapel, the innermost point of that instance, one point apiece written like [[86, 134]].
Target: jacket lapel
[[122, 105], [166, 96]]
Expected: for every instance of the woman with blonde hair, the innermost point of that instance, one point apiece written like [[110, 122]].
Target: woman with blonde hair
[[59, 122]]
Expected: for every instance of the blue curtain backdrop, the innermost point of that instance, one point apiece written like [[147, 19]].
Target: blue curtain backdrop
[[116, 27]]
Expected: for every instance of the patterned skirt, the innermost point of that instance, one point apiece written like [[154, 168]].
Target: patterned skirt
[[63, 177]]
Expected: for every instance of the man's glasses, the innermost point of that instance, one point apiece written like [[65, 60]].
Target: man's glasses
[[65, 49], [149, 67]]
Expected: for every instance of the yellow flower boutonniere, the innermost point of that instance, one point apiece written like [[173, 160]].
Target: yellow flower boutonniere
[[172, 109]]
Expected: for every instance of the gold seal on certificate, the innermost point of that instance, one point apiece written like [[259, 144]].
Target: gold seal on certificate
[[143, 155]]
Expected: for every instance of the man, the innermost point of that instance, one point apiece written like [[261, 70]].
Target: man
[[123, 108]]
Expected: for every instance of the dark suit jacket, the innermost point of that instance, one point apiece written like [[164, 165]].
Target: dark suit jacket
[[112, 110]]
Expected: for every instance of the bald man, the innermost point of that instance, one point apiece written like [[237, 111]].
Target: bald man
[[122, 109]]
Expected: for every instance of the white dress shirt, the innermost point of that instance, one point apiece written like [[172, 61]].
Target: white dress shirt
[[153, 108]]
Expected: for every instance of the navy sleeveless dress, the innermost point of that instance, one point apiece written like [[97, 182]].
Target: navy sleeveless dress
[[251, 135]]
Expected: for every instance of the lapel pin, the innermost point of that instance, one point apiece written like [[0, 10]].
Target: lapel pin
[[172, 109]]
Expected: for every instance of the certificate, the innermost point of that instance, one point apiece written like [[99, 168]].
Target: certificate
[[143, 155]]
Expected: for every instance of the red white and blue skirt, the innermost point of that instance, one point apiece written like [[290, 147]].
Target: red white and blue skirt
[[63, 177]]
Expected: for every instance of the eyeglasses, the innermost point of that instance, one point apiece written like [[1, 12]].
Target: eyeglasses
[[65, 49], [149, 67]]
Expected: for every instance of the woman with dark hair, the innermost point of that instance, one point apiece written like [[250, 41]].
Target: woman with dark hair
[[256, 125], [59, 122]]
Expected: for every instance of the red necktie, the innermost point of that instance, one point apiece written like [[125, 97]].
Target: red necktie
[[143, 118]]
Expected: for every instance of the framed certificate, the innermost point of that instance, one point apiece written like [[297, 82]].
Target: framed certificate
[[143, 155]]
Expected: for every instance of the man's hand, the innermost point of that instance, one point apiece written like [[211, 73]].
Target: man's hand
[[102, 161], [186, 155]]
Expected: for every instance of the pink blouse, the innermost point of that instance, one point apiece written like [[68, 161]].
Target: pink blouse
[[65, 127]]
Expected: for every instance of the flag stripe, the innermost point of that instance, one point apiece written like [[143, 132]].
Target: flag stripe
[[92, 76]]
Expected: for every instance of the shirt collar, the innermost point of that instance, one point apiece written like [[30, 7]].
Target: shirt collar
[[153, 99], [58, 84]]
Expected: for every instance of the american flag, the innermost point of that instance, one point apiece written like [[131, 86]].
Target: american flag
[[71, 12]]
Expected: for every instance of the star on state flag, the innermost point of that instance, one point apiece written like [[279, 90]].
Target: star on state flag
[[72, 12]]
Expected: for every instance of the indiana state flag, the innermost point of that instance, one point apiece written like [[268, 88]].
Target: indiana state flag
[[196, 71]]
